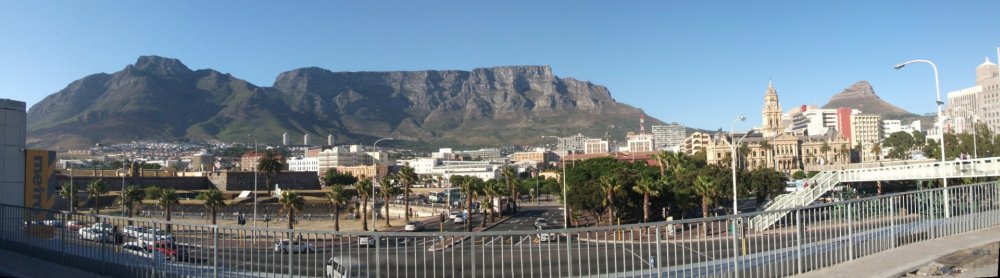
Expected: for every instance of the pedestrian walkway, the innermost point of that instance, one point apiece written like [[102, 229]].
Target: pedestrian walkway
[[19, 265], [896, 262]]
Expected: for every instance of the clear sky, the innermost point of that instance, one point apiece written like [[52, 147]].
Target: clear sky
[[699, 63]]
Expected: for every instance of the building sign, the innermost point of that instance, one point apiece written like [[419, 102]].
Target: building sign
[[40, 188]]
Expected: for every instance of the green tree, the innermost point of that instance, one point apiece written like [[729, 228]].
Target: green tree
[[824, 149], [95, 189], [152, 192], [213, 201], [388, 191], [270, 165], [407, 177], [364, 188], [876, 151], [68, 192], [494, 189], [291, 202], [510, 178], [469, 187], [610, 185], [647, 186], [332, 177], [706, 187], [132, 196], [845, 153], [338, 197], [766, 183], [798, 175], [168, 199]]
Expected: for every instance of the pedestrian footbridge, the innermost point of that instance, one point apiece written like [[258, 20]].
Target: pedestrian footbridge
[[828, 180]]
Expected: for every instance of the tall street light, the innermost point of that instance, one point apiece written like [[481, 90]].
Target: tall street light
[[255, 159], [374, 176], [732, 152], [937, 88], [99, 145], [562, 163]]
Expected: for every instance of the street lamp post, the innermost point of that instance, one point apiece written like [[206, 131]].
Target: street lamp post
[[732, 153], [99, 145], [937, 88], [255, 159], [374, 176]]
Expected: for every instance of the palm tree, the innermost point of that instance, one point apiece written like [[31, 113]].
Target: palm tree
[[469, 187], [213, 201], [364, 187], [510, 177], [406, 176], [647, 186], [494, 190], [338, 197], [95, 189], [67, 192], [270, 164], [661, 161], [876, 150], [389, 190], [825, 148], [610, 185], [768, 147], [291, 201], [845, 153], [706, 187], [132, 196], [168, 198]]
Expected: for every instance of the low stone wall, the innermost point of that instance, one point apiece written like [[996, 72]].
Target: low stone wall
[[238, 181], [115, 183]]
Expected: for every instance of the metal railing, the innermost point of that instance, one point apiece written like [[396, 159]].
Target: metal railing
[[803, 239]]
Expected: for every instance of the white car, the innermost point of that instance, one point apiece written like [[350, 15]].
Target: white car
[[105, 227], [154, 235], [454, 214], [134, 232], [294, 246], [541, 222], [459, 220], [366, 241], [94, 235], [134, 248], [341, 267], [413, 226]]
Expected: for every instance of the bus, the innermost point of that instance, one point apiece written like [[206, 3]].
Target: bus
[[452, 194]]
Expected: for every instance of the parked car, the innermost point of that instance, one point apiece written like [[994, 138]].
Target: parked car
[[106, 227], [53, 223], [459, 220], [94, 235], [342, 267], [134, 248], [169, 249], [414, 226], [134, 232], [75, 225], [294, 246], [454, 214], [153, 235]]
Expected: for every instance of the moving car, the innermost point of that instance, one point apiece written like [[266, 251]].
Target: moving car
[[105, 227], [153, 235], [545, 236], [134, 248], [541, 222], [294, 246], [342, 267], [366, 241], [134, 232], [75, 225], [459, 219], [414, 226]]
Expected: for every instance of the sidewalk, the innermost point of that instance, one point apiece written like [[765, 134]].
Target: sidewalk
[[19, 265], [898, 261]]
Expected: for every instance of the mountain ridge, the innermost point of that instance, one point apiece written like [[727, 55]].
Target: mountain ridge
[[161, 98]]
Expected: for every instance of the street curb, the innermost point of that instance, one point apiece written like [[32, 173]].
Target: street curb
[[455, 242]]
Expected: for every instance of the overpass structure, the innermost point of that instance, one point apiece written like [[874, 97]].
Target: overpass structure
[[802, 239], [826, 181]]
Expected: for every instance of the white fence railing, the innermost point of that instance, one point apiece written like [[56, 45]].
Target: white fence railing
[[801, 240]]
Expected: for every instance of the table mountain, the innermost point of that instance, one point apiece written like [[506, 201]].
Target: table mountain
[[161, 98]]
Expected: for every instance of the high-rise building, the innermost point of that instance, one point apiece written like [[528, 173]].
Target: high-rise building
[[976, 104], [640, 143], [668, 136], [771, 114], [696, 142], [13, 128], [329, 140], [594, 146], [305, 140], [893, 126], [572, 143], [284, 139], [866, 130]]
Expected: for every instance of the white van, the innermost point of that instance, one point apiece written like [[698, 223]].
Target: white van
[[342, 267]]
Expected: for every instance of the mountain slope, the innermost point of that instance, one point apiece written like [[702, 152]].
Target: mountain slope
[[160, 98], [861, 96]]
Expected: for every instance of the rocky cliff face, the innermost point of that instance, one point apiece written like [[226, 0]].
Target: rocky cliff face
[[161, 98]]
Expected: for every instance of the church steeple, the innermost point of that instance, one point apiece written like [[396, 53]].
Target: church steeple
[[771, 113]]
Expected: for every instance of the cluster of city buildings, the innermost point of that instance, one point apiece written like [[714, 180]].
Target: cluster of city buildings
[[976, 105]]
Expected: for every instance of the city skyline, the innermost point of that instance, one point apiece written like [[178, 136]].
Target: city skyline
[[658, 58]]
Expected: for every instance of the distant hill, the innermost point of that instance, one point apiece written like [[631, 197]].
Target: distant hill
[[861, 96], [161, 98]]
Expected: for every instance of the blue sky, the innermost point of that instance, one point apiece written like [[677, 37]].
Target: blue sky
[[699, 63]]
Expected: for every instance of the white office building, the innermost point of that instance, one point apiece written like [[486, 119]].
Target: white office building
[[307, 164]]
